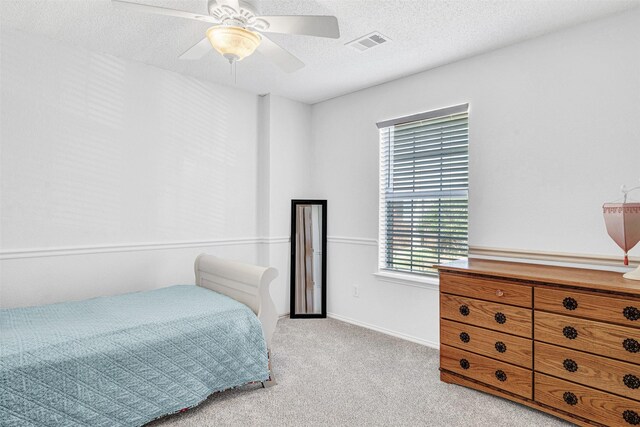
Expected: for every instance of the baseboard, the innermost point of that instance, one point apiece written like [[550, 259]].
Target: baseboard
[[385, 331]]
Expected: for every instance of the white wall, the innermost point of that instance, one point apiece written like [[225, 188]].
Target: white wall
[[98, 151], [115, 174], [285, 158], [554, 132]]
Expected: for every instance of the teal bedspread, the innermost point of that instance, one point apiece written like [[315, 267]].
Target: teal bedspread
[[124, 360]]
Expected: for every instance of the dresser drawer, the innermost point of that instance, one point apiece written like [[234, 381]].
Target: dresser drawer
[[499, 317], [619, 342], [595, 371], [593, 306], [486, 289], [586, 402], [504, 347], [498, 374]]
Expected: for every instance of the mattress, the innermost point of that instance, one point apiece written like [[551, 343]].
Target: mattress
[[125, 360]]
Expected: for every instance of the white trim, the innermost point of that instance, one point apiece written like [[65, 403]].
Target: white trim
[[385, 331], [453, 110], [134, 247], [273, 240], [352, 240], [557, 257], [432, 283]]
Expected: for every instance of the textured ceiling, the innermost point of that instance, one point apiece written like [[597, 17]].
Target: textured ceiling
[[424, 34]]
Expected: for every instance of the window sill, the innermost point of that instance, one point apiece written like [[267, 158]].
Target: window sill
[[408, 280]]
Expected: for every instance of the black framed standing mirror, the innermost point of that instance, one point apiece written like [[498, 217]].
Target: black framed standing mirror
[[308, 258]]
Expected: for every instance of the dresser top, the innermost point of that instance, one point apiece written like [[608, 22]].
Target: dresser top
[[607, 281]]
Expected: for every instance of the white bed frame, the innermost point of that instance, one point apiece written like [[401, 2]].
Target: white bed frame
[[246, 283]]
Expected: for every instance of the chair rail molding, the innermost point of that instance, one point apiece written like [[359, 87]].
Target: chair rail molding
[[352, 240], [133, 247], [524, 255]]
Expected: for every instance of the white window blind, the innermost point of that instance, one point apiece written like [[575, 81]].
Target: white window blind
[[424, 183]]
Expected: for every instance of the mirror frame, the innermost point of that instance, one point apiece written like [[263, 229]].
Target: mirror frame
[[323, 313]]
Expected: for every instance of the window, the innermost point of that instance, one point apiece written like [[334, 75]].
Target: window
[[424, 190]]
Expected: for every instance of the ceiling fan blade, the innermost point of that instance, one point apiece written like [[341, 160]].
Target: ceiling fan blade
[[319, 26], [282, 58], [137, 7], [198, 50]]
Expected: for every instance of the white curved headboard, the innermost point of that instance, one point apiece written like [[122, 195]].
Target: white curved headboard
[[246, 283]]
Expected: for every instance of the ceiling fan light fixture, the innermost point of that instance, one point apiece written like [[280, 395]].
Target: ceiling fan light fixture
[[234, 43]]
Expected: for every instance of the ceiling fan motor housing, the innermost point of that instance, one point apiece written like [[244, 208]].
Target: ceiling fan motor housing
[[244, 18]]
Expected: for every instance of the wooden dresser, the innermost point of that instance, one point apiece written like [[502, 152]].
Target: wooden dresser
[[562, 340]]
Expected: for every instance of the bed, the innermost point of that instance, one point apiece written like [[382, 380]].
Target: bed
[[129, 359]]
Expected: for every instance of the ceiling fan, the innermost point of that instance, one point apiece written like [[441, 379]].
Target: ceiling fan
[[238, 30]]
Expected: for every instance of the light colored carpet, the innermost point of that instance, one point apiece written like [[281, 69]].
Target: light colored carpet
[[332, 373]]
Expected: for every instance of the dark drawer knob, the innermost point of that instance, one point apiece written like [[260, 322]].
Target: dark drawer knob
[[570, 303], [631, 345], [631, 313], [464, 364], [570, 398], [464, 337], [570, 365], [464, 310], [631, 417], [500, 318], [501, 347], [500, 375], [631, 381], [570, 332]]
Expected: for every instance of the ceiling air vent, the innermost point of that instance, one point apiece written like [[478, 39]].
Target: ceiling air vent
[[367, 42]]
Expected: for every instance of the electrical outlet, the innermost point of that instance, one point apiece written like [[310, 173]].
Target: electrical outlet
[[356, 291]]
